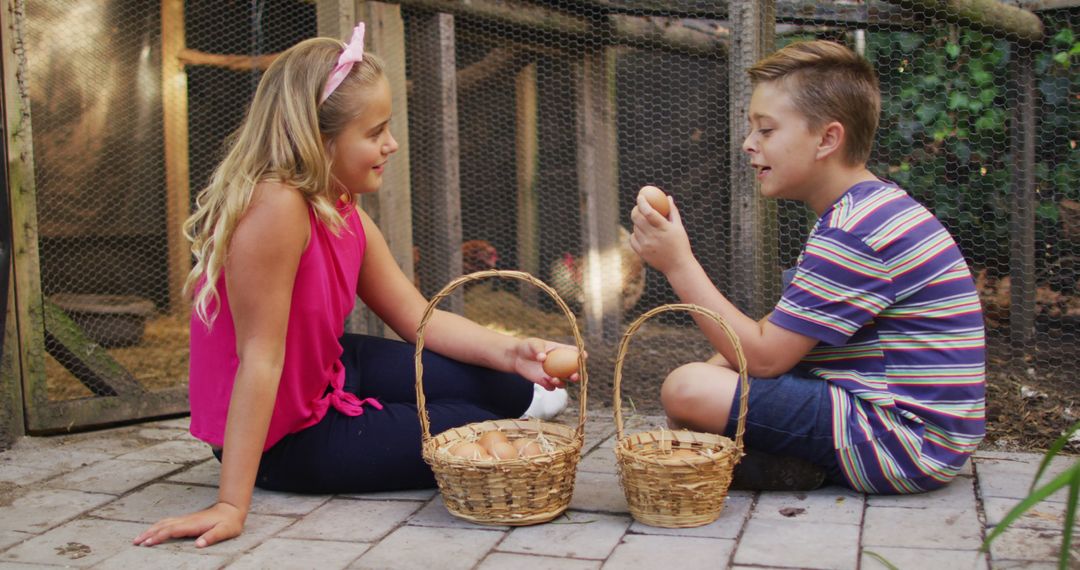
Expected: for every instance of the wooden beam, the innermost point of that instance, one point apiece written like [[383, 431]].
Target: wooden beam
[[235, 62], [990, 15], [666, 33], [1044, 5], [391, 206], [22, 196], [335, 18], [436, 178], [85, 413], [1023, 199], [753, 280], [598, 185], [527, 155], [12, 408], [174, 105], [84, 358]]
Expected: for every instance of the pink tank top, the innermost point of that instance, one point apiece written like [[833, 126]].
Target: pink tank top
[[311, 380]]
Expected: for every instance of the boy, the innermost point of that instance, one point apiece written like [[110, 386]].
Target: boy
[[871, 365]]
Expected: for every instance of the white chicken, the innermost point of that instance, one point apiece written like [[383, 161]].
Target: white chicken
[[568, 273]]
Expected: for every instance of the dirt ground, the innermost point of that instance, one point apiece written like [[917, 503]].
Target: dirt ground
[[1032, 398]]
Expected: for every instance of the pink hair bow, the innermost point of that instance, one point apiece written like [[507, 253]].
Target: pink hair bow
[[353, 53]]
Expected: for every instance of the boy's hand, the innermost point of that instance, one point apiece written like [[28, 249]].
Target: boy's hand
[[220, 522], [661, 241], [528, 362]]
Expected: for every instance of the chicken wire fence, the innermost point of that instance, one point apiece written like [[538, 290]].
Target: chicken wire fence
[[549, 101]]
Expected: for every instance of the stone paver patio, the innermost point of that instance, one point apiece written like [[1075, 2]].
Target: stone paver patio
[[79, 500]]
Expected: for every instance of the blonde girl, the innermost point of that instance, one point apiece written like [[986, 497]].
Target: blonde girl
[[287, 400]]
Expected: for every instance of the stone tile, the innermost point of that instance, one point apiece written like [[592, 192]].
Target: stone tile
[[600, 460], [576, 535], [38, 511], [644, 551], [183, 423], [353, 521], [435, 514], [111, 442], [932, 527], [158, 501], [206, 473], [597, 431], [136, 557], [966, 470], [1010, 477], [768, 542], [19, 566], [507, 561], [1023, 565], [81, 543], [290, 554], [958, 494], [285, 504], [12, 537], [923, 558], [411, 495], [113, 476], [828, 505], [54, 460], [1027, 544], [1043, 515], [598, 492], [184, 451], [731, 521], [425, 548], [257, 530], [161, 434], [23, 476]]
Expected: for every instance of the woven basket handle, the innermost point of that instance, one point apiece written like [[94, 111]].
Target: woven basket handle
[[421, 401], [743, 378]]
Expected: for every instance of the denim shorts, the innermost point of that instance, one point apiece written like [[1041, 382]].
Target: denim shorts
[[790, 416]]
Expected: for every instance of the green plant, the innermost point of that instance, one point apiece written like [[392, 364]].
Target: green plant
[[1069, 478]]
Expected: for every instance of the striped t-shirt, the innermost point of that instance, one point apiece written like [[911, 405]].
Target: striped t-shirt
[[883, 286]]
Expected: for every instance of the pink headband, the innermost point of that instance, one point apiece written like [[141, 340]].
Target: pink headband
[[353, 53]]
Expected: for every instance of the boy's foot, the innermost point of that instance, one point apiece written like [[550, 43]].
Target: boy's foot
[[546, 405], [763, 472]]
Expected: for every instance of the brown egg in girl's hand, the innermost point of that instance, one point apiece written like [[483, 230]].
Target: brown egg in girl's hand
[[561, 363], [657, 199]]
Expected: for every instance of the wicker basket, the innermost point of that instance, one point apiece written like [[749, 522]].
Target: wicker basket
[[519, 491], [676, 492]]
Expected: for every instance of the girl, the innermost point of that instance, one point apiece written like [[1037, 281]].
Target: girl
[[287, 400]]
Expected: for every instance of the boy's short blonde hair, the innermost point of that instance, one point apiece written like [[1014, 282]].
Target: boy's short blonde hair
[[828, 82]]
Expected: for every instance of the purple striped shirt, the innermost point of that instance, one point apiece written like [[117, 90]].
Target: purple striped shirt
[[884, 288]]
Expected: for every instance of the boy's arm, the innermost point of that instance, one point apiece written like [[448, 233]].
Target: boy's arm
[[662, 242]]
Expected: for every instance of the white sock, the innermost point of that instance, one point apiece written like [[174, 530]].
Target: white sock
[[546, 405]]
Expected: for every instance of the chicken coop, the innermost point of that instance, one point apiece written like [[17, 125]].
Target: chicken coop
[[525, 131]]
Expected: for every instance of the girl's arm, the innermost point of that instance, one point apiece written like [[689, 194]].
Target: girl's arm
[[770, 350], [386, 290], [263, 257]]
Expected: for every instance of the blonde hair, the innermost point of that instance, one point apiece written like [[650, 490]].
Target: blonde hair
[[280, 140], [828, 82]]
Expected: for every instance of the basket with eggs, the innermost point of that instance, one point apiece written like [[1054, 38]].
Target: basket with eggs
[[508, 472], [677, 478]]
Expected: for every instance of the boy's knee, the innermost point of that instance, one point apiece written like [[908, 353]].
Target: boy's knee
[[685, 387]]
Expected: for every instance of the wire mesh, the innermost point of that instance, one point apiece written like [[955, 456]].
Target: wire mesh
[[951, 89]]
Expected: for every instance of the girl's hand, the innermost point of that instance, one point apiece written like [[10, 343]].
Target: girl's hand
[[529, 356], [220, 522], [660, 241]]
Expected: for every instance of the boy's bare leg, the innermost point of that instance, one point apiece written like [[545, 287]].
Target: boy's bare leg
[[698, 396]]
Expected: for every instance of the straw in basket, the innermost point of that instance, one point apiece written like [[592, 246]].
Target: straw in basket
[[666, 486], [518, 491]]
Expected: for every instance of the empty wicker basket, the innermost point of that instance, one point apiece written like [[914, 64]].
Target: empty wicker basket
[[519, 491], [667, 487]]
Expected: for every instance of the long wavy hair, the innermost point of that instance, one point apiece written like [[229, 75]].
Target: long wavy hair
[[282, 139]]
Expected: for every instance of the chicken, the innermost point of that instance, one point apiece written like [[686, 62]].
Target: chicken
[[476, 255], [568, 272]]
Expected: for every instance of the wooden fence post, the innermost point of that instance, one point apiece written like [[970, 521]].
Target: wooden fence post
[[527, 144], [1022, 204], [753, 278], [598, 184], [174, 105], [436, 176]]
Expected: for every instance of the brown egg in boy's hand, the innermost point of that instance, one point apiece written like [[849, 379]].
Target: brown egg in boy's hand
[[561, 363], [656, 198]]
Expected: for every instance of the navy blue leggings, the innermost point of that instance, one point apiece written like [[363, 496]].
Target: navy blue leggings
[[379, 450]]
